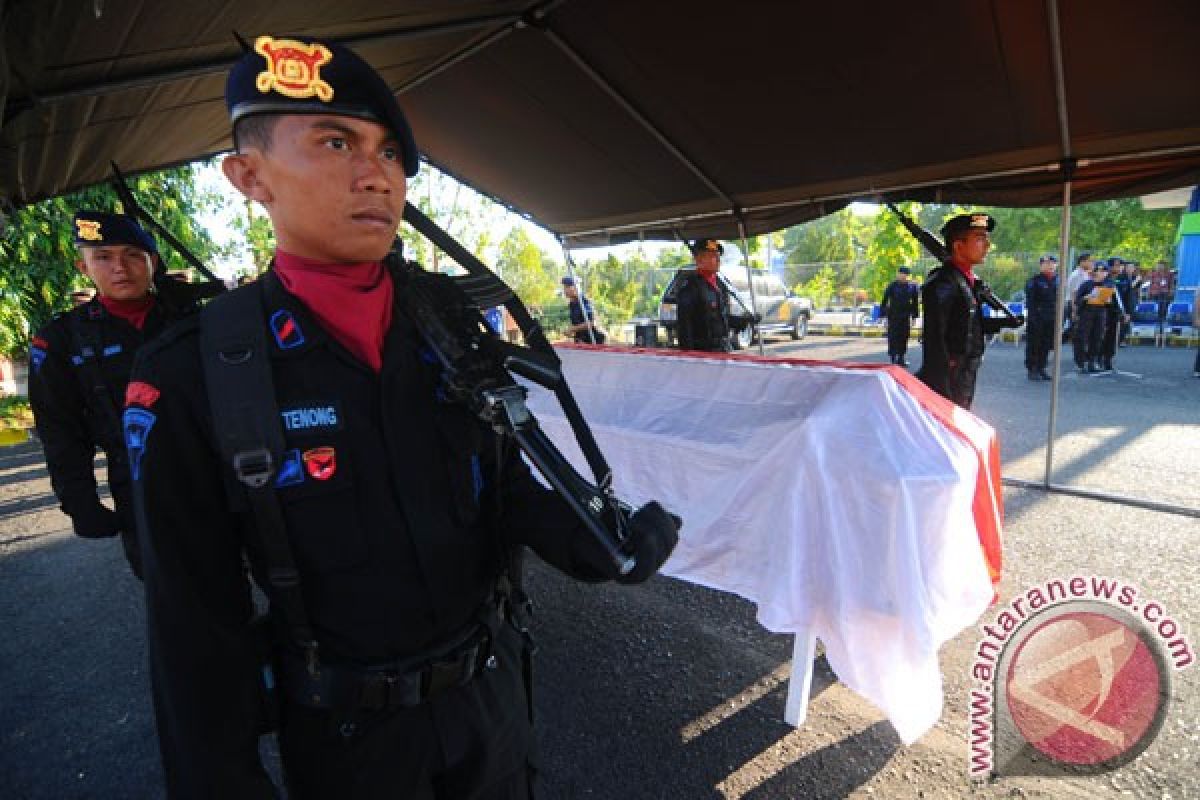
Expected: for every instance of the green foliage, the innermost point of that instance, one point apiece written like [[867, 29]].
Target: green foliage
[[891, 246], [260, 238], [15, 412], [37, 251], [523, 266], [821, 288]]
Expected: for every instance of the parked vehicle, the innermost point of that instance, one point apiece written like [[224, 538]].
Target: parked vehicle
[[781, 311]]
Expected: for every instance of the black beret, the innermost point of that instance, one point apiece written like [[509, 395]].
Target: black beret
[[905, 270], [1115, 260], [702, 245], [568, 280], [956, 226], [100, 228], [301, 75], [1048, 257]]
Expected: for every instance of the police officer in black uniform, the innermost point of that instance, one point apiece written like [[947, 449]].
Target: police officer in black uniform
[[900, 305], [583, 327], [1098, 302], [702, 302], [398, 660], [1041, 297], [79, 367], [953, 340]]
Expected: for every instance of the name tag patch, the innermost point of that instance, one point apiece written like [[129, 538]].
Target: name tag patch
[[322, 417]]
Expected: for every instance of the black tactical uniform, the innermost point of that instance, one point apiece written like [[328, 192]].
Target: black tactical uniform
[[953, 338], [1041, 298], [79, 368], [702, 321], [900, 306], [1098, 301], [397, 519]]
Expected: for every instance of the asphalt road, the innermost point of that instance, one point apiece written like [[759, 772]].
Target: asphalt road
[[669, 690]]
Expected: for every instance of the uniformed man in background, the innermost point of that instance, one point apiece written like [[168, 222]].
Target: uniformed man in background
[[951, 299], [381, 535], [901, 306], [1041, 298], [79, 368], [702, 302]]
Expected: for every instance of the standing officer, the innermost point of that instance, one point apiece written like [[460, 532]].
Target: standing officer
[[583, 319], [953, 340], [1041, 296], [901, 306], [1098, 301], [79, 368], [1081, 273], [702, 302], [379, 528]]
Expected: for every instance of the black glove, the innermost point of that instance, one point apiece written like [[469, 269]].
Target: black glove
[[1010, 322], [653, 534], [95, 522]]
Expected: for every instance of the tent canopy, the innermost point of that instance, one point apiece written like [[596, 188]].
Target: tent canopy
[[605, 120]]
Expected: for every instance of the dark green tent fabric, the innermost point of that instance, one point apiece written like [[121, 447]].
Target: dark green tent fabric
[[605, 120]]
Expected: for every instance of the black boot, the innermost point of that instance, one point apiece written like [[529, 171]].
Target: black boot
[[1044, 375], [1032, 375], [1092, 369]]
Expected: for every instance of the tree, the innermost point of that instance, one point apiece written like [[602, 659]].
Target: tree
[[37, 251], [891, 247], [526, 269]]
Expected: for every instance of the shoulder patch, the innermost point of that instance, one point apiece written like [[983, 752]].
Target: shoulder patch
[[137, 422]]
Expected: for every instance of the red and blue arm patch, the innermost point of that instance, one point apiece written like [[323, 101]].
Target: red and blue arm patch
[[286, 330], [38, 348], [138, 419]]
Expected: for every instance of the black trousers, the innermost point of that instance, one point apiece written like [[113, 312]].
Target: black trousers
[[1039, 341], [1091, 325], [897, 336], [1078, 340], [470, 743], [1112, 329]]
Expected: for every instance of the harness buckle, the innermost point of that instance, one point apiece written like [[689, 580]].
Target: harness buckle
[[254, 467]]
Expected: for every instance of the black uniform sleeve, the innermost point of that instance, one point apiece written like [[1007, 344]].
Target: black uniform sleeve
[[886, 302], [202, 654], [938, 297], [685, 315], [60, 415]]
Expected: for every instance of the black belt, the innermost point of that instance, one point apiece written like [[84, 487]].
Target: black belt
[[399, 685]]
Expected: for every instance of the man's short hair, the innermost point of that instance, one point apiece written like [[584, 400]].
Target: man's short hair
[[1082, 257], [254, 131]]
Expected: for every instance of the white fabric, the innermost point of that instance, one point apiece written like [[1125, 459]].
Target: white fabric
[[825, 495]]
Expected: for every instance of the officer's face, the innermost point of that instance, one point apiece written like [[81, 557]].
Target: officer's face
[[334, 186], [708, 261], [120, 272], [1048, 268], [973, 247]]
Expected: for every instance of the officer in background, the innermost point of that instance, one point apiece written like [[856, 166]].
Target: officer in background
[[396, 654], [1041, 296], [1081, 273], [583, 319], [900, 305], [79, 371], [702, 302], [955, 327], [1123, 279], [1098, 301]]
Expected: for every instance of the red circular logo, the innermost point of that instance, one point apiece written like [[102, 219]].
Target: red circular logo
[[1084, 688]]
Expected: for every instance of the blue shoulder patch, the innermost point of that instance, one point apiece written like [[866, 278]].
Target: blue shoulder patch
[[112, 350], [36, 356], [291, 471], [138, 422]]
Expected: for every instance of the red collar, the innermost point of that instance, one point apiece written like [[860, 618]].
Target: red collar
[[967, 271], [353, 302], [132, 311]]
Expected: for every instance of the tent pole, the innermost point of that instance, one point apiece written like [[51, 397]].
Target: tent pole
[[755, 333], [1064, 244], [1059, 345], [574, 279]]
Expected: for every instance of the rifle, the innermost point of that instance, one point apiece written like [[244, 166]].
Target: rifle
[[179, 296], [477, 367], [939, 251]]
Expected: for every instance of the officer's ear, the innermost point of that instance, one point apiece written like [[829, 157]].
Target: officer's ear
[[244, 171]]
